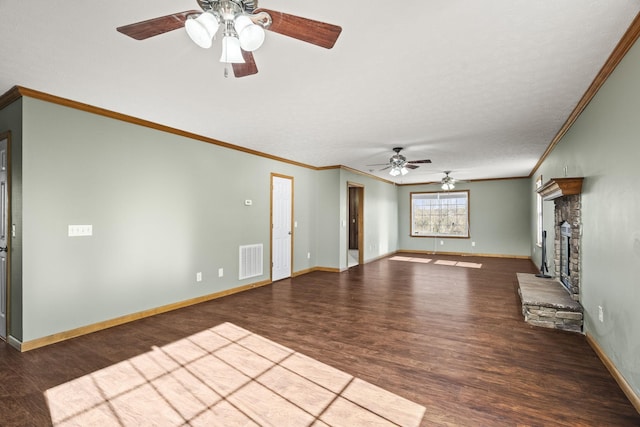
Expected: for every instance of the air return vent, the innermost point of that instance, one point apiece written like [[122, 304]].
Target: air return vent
[[250, 261]]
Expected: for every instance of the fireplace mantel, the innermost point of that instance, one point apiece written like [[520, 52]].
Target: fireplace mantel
[[559, 187]]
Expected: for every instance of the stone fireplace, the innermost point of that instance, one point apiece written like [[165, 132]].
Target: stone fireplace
[[555, 302], [567, 243]]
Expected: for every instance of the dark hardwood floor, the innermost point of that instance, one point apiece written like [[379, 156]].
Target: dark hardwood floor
[[447, 337]]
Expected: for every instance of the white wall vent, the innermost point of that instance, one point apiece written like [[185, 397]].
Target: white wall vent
[[250, 261]]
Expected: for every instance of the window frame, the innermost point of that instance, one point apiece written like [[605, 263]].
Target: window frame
[[539, 212], [467, 234]]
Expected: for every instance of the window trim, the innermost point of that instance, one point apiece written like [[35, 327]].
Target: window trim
[[539, 212], [440, 235]]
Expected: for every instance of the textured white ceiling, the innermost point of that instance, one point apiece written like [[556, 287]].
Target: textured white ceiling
[[479, 87]]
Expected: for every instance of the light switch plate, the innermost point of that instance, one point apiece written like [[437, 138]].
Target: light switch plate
[[80, 230]]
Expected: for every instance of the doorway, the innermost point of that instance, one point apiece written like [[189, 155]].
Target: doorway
[[355, 203], [281, 226], [5, 236]]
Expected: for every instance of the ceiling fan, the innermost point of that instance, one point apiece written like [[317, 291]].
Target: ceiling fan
[[399, 165], [448, 182], [243, 25]]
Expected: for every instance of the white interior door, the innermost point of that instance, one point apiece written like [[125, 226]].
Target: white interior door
[[281, 229], [4, 227]]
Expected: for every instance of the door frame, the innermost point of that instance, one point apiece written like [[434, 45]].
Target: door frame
[[277, 175], [360, 223], [9, 230]]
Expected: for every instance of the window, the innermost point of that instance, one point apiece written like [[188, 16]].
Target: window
[[538, 212], [440, 214]]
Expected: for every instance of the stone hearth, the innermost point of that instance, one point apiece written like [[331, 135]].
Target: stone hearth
[[546, 303]]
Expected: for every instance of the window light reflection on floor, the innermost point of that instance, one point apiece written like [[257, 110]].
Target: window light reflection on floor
[[225, 375], [438, 262]]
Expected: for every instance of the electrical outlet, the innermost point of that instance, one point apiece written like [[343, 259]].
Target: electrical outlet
[[600, 313], [473, 244], [441, 242], [220, 272], [308, 255], [199, 276]]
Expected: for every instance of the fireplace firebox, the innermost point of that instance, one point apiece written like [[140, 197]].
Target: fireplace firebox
[[567, 244], [565, 255]]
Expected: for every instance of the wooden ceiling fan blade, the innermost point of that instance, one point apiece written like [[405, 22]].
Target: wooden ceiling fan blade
[[156, 26], [411, 166], [419, 161], [248, 68], [305, 29]]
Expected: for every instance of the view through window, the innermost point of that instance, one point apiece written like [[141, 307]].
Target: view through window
[[444, 214]]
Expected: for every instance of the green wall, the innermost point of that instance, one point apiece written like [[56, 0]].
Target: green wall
[[498, 223], [162, 208], [602, 146]]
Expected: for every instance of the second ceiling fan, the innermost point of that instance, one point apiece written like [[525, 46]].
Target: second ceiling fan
[[243, 25], [448, 182]]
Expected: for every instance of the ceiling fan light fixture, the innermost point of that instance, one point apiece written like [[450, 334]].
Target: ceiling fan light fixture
[[447, 186], [395, 171], [251, 35], [404, 170], [231, 51], [202, 29]]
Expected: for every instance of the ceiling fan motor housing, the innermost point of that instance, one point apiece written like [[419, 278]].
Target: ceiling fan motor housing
[[398, 160], [246, 6]]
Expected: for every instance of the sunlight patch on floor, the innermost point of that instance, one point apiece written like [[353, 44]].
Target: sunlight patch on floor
[[469, 265], [438, 262], [410, 259], [226, 375]]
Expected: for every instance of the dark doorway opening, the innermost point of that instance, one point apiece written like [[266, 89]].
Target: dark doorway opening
[[356, 228]]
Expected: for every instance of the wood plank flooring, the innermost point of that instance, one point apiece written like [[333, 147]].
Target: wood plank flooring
[[447, 337]]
